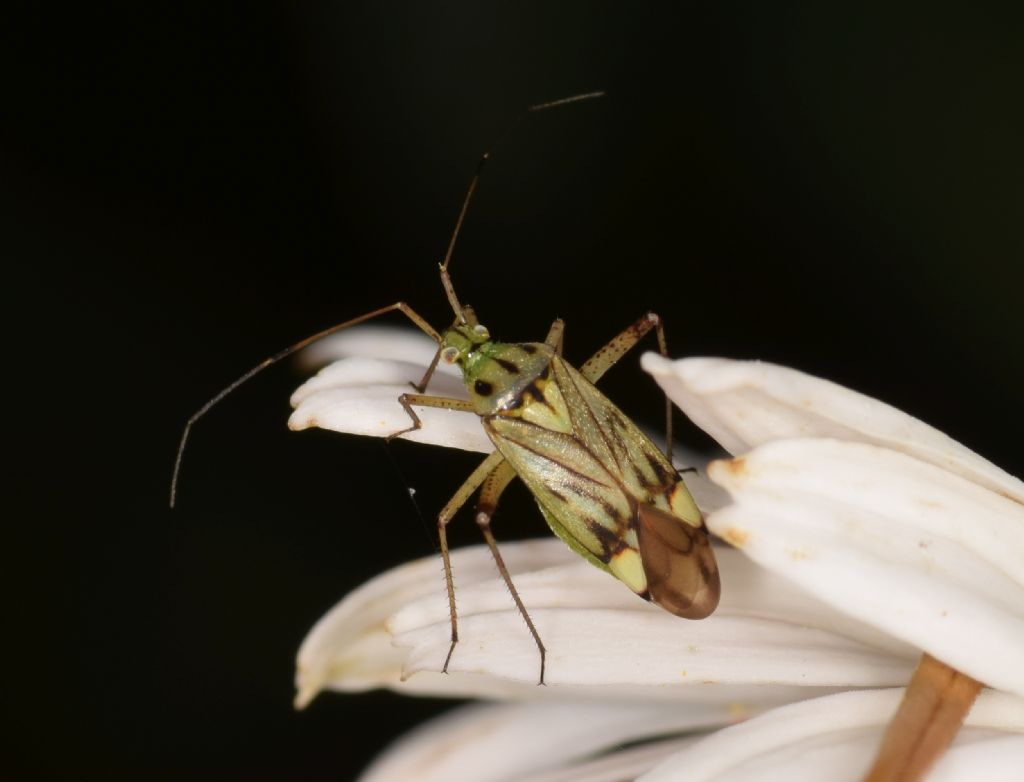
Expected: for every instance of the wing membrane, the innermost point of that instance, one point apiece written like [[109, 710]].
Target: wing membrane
[[568, 481], [644, 471]]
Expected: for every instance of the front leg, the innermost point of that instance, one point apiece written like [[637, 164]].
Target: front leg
[[424, 400]]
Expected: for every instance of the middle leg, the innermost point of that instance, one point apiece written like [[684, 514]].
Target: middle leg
[[470, 485], [495, 484]]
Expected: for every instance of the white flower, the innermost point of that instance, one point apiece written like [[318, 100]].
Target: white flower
[[876, 512], [844, 503], [830, 737], [599, 635]]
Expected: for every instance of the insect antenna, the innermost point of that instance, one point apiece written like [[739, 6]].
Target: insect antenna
[[446, 281], [468, 316], [267, 362], [463, 314]]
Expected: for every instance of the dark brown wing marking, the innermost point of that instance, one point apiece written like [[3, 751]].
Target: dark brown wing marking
[[585, 421], [568, 481], [614, 440], [682, 575]]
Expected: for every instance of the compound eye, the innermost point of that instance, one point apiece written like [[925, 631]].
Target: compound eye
[[449, 355], [481, 330]]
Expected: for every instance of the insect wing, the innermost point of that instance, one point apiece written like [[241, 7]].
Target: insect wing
[[680, 567], [608, 492], [673, 552], [636, 462], [569, 482]]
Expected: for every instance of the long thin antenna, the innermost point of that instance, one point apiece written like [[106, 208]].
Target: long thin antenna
[[449, 289], [460, 311], [564, 101], [399, 305]]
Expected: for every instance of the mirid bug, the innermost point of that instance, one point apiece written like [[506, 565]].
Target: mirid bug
[[601, 484]]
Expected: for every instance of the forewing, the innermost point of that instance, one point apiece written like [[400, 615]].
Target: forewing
[[569, 481], [682, 575], [617, 442]]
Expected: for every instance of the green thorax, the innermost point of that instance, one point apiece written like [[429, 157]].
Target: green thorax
[[495, 373]]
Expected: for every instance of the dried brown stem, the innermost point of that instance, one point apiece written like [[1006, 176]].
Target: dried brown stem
[[933, 708]]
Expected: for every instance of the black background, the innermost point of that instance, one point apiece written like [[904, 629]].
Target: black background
[[190, 187]]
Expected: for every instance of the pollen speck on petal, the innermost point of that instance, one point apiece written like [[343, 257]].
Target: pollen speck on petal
[[737, 537]]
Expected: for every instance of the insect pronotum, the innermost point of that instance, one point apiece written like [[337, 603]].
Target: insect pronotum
[[602, 486]]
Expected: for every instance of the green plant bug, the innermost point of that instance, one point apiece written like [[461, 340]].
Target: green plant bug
[[602, 485]]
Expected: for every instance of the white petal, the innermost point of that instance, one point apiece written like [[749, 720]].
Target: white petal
[[766, 641], [349, 648], [614, 766], [360, 396], [627, 650], [981, 755], [743, 404], [927, 556], [519, 741], [836, 737], [387, 343]]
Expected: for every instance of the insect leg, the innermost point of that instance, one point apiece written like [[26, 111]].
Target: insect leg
[[495, 484], [555, 335], [401, 306], [485, 468], [620, 344], [422, 400]]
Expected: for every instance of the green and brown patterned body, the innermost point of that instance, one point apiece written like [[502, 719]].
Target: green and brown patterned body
[[603, 486]]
